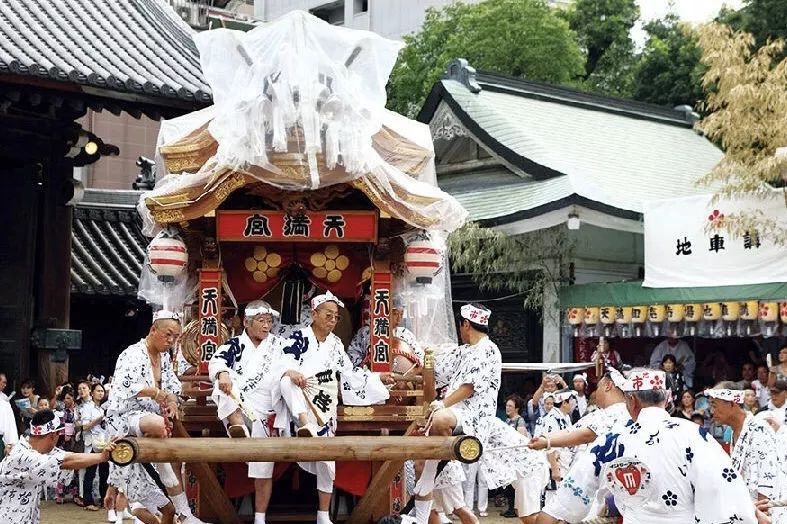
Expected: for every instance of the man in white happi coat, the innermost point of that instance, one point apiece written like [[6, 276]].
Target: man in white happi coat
[[781, 447], [307, 391], [469, 407], [143, 398], [659, 469], [35, 464], [556, 421], [243, 371], [754, 444]]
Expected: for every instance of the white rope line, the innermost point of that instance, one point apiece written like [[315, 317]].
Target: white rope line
[[600, 520], [778, 503]]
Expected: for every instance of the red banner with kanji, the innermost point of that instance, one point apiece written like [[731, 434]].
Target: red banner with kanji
[[309, 226], [380, 330], [209, 339]]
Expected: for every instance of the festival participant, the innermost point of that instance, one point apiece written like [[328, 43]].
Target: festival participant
[[580, 383], [312, 358], [243, 371], [141, 402], [469, 406], [35, 464], [660, 469], [754, 449], [358, 350], [777, 406], [556, 421], [8, 430]]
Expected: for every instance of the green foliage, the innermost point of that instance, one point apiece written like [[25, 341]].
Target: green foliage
[[529, 264], [764, 19], [669, 72], [603, 28], [510, 37]]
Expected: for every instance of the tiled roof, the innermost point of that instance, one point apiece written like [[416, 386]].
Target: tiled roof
[[107, 250], [561, 143], [137, 47]]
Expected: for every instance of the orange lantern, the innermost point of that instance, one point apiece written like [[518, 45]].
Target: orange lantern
[[769, 311], [749, 310], [693, 312], [591, 316], [675, 312], [730, 311], [656, 313], [575, 315], [623, 315], [607, 315], [711, 311]]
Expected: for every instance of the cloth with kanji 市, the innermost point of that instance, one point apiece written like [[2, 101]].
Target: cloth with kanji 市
[[660, 470], [321, 362], [480, 365], [250, 369], [755, 456], [24, 474]]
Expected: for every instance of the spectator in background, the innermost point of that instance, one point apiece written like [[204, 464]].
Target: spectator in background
[[91, 421], [684, 357], [698, 419], [673, 377], [27, 402], [67, 442], [43, 403], [607, 356], [8, 430], [748, 375], [760, 386], [580, 382], [750, 404], [718, 367], [779, 371], [777, 407], [514, 405], [685, 405]]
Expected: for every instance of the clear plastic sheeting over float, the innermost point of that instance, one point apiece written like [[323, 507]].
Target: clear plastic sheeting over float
[[299, 105]]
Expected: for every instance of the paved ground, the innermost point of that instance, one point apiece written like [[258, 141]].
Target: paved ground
[[71, 514]]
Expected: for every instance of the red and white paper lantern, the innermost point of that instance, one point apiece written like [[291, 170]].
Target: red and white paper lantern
[[167, 255], [423, 258]]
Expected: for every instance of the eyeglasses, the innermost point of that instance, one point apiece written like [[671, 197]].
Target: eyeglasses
[[264, 320], [332, 316]]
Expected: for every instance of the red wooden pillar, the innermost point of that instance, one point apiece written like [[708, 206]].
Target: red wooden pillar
[[380, 329]]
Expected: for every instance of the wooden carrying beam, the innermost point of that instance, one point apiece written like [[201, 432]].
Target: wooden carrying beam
[[358, 448]]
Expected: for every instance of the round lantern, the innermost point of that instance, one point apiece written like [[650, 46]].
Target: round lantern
[[749, 310], [675, 312], [730, 311], [769, 311], [591, 316], [711, 311], [423, 258], [167, 255], [623, 315], [575, 317], [657, 313], [693, 312], [607, 317]]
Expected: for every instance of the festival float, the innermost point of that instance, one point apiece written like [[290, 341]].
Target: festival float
[[298, 181]]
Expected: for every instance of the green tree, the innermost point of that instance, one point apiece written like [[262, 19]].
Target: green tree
[[523, 38], [603, 28], [669, 72], [764, 19]]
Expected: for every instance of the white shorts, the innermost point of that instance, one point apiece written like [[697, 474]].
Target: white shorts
[[527, 495], [448, 499], [260, 470], [153, 501]]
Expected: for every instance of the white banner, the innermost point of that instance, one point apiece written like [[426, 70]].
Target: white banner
[[686, 244]]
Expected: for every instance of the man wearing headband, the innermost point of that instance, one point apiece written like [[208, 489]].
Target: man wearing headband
[[35, 464], [556, 421], [313, 357], [471, 374], [243, 371], [359, 348], [580, 383], [143, 398], [659, 469], [755, 446]]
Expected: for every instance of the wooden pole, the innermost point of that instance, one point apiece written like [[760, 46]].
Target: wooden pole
[[359, 448]]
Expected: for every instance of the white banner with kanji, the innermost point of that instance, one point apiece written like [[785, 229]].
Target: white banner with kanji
[[687, 245]]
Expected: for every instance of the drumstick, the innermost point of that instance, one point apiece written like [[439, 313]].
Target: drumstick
[[314, 410], [246, 411]]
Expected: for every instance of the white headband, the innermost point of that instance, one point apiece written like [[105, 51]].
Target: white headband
[[327, 297], [50, 427], [639, 380], [563, 396], [730, 395], [164, 314], [581, 376], [262, 310], [475, 315]]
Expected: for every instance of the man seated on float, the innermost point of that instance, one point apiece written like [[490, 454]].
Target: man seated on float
[[308, 390], [407, 355], [240, 368]]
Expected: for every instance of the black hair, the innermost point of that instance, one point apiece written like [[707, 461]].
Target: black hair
[[28, 383], [519, 403], [669, 356], [42, 416], [477, 327]]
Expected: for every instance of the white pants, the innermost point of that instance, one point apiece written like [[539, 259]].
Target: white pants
[[260, 470], [527, 495], [296, 404], [475, 482], [448, 499]]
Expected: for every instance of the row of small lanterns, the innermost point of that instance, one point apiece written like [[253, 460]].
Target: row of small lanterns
[[636, 316]]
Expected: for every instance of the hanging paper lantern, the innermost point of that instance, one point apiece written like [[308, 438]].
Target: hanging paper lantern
[[783, 312], [656, 313], [769, 311], [423, 258], [730, 311], [623, 315], [167, 255], [607, 315], [693, 312], [675, 312], [639, 314], [711, 311], [749, 310], [591, 316], [575, 315]]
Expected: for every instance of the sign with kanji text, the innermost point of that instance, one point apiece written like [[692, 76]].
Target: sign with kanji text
[[209, 302], [311, 226], [687, 243], [380, 329]]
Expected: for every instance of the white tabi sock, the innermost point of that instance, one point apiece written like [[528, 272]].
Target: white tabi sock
[[422, 510], [181, 504], [259, 518], [323, 517]]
